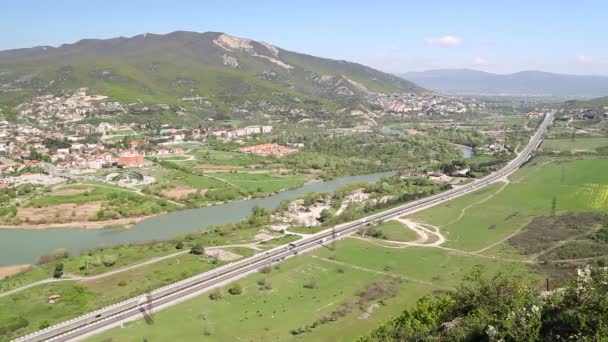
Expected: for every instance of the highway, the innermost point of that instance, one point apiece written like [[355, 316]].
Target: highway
[[131, 309]]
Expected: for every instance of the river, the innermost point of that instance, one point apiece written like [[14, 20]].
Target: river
[[22, 246]]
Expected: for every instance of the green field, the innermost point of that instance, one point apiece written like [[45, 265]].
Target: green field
[[270, 315], [78, 297], [495, 212], [224, 185], [576, 145], [481, 220], [209, 156], [479, 228], [91, 193], [396, 231]]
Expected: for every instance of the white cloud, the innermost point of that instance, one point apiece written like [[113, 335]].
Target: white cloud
[[480, 62], [584, 59], [445, 41]]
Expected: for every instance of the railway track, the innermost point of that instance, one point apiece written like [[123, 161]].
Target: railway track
[[174, 293]]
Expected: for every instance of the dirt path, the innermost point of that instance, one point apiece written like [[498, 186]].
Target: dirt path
[[72, 277], [423, 234], [370, 270], [402, 245], [517, 231], [464, 210], [535, 257]]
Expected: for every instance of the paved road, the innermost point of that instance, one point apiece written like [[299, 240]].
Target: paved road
[[131, 309]]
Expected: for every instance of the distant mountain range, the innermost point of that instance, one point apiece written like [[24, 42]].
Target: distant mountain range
[[225, 75], [534, 83]]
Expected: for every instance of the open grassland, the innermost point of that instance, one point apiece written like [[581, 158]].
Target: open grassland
[[396, 231], [85, 201], [541, 188], [222, 184], [216, 157], [576, 145], [78, 297], [307, 288], [323, 295], [106, 275], [114, 258], [79, 194]]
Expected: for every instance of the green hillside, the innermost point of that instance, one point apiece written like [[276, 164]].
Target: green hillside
[[231, 76]]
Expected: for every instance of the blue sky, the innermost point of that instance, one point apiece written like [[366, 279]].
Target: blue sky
[[394, 36]]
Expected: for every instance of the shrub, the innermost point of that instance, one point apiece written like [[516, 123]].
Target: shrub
[[236, 289], [13, 324], [109, 260], [266, 269], [179, 245], [312, 284], [197, 250], [209, 330], [43, 325], [264, 285], [216, 294]]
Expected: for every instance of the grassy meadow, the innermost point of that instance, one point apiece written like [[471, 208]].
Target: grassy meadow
[[477, 226]]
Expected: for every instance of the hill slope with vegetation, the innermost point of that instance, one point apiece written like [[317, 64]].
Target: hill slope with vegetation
[[503, 308], [208, 74]]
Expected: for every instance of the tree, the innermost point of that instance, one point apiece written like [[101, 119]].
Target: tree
[[58, 271], [449, 168], [197, 249], [325, 215]]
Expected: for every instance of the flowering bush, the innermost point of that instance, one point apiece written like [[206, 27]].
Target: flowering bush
[[506, 308]]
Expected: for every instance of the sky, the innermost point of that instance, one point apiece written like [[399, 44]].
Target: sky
[[393, 36]]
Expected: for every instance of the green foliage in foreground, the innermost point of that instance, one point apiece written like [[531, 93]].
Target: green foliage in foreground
[[503, 308]]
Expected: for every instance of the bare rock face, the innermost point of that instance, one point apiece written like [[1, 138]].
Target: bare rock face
[[275, 61], [230, 43], [273, 50], [230, 61]]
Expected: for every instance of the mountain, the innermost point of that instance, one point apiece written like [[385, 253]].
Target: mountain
[[206, 74], [474, 82]]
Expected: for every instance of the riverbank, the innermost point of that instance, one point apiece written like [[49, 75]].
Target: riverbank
[[127, 222], [130, 222], [6, 271], [23, 246]]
